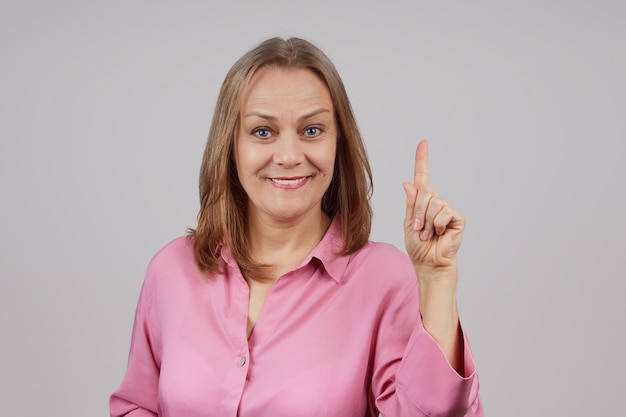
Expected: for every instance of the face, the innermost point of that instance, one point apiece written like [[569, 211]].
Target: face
[[285, 144]]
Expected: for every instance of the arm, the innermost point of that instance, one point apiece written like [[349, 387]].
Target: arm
[[433, 232], [439, 313], [436, 373], [137, 395], [412, 374]]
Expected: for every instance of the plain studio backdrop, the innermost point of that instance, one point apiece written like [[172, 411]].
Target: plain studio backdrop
[[104, 112]]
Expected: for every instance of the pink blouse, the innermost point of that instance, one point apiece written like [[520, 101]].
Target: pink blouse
[[338, 336]]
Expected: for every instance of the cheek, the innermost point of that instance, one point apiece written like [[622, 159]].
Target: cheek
[[323, 154], [244, 168], [329, 157], [246, 160]]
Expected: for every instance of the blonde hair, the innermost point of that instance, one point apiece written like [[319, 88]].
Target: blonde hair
[[223, 202]]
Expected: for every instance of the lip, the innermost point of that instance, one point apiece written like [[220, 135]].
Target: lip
[[289, 183]]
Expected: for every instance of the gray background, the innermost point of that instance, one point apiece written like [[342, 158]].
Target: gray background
[[105, 107]]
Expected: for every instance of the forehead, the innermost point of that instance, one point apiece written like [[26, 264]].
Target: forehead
[[279, 86]]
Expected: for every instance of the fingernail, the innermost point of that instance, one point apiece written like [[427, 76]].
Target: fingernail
[[424, 235], [417, 223]]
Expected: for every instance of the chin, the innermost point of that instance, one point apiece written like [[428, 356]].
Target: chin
[[289, 214]]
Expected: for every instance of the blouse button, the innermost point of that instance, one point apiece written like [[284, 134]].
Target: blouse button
[[242, 361]]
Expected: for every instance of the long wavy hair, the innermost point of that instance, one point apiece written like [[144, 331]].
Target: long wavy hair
[[222, 219]]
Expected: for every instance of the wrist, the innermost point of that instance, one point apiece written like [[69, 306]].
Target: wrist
[[437, 298], [428, 274]]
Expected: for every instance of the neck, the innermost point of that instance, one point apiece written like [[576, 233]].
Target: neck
[[285, 244]]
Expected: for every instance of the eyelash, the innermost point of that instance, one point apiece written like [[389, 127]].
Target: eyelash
[[256, 131], [318, 129], [268, 131]]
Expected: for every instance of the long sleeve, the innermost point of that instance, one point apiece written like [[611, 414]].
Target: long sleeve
[[413, 377], [137, 395]]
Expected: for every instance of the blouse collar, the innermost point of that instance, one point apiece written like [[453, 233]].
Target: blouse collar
[[327, 251]]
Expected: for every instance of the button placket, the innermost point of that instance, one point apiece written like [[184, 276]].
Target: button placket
[[241, 362]]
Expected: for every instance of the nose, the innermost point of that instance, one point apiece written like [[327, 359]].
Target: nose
[[288, 152]]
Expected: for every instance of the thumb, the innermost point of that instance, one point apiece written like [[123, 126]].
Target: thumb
[[411, 195]]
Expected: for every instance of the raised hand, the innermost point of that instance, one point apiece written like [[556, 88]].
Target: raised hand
[[433, 230], [432, 234]]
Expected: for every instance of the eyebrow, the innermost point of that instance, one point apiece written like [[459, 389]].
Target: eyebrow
[[273, 119]]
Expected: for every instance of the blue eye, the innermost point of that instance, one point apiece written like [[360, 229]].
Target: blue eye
[[262, 133], [312, 131]]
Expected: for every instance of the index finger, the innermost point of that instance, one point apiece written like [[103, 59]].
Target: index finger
[[421, 174]]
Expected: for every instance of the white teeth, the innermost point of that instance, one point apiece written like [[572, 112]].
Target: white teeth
[[288, 182]]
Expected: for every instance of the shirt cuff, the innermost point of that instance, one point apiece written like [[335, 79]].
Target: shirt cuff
[[431, 383]]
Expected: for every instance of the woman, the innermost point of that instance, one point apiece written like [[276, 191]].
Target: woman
[[277, 304]]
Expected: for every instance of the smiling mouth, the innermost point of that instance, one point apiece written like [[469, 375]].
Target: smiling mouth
[[289, 182]]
